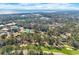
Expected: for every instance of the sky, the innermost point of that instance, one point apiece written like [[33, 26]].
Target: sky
[[24, 7], [39, 1]]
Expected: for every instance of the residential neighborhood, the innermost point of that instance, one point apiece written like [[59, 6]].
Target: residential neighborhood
[[50, 29]]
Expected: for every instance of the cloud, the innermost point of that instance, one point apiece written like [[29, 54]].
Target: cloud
[[15, 7]]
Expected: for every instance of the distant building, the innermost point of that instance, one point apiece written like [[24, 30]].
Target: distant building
[[10, 24]]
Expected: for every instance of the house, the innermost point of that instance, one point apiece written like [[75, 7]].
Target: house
[[21, 29], [14, 28], [10, 24], [68, 34], [28, 31], [1, 25], [5, 29]]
